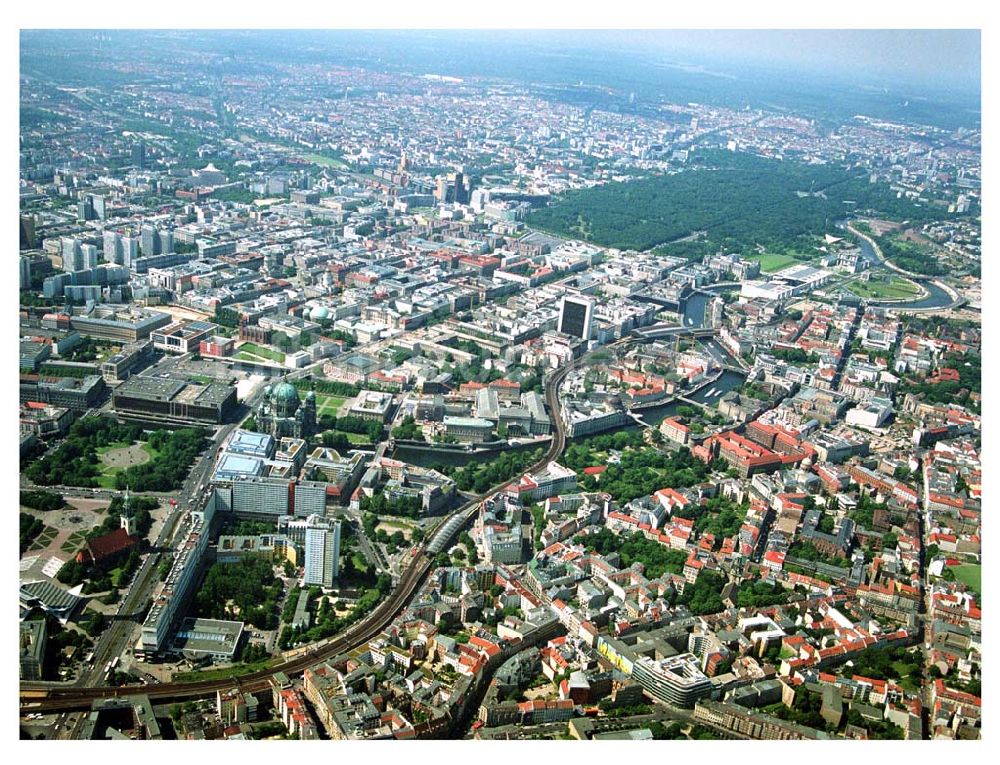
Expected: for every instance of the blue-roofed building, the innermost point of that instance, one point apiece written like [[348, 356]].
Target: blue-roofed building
[[236, 467], [250, 444]]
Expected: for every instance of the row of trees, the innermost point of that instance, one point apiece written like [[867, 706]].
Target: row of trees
[[51, 370], [334, 439], [330, 387], [42, 500], [30, 528], [380, 504], [372, 429]]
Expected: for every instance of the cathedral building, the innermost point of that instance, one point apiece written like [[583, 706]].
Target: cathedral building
[[283, 413]]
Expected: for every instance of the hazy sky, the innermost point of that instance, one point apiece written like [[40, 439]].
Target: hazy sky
[[947, 58]]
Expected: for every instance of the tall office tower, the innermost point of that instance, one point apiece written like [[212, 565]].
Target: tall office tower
[[89, 255], [85, 209], [322, 551], [149, 241], [479, 199], [441, 192], [463, 188], [100, 206], [72, 254], [28, 238], [576, 316], [139, 155], [714, 312], [453, 187], [113, 251], [130, 250], [166, 238], [25, 272]]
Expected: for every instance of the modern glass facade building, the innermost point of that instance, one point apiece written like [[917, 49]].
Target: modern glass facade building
[[676, 680]]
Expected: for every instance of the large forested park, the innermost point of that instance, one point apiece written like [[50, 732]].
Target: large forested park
[[741, 202]]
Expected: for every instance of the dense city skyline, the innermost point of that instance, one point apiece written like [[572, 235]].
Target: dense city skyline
[[443, 384]]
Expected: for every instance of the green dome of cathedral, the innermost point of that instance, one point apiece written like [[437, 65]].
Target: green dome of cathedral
[[284, 392]]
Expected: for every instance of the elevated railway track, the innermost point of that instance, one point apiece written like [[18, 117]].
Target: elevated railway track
[[49, 697]]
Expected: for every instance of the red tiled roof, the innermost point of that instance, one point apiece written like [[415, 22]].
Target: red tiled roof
[[109, 544]]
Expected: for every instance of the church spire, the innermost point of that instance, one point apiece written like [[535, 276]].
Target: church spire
[[127, 520]]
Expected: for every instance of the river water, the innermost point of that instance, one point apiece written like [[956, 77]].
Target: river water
[[937, 298], [427, 458], [694, 316]]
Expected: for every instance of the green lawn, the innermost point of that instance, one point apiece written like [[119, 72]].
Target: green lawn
[[219, 674], [360, 564], [971, 575], [328, 404], [354, 438], [73, 543], [106, 480], [102, 450], [896, 288], [319, 159], [259, 350], [105, 353], [906, 680], [395, 523], [44, 539], [772, 261]]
